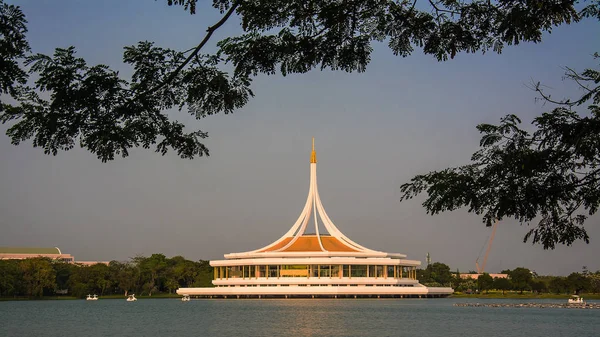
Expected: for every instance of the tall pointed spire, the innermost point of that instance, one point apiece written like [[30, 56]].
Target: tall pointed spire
[[313, 155], [296, 241]]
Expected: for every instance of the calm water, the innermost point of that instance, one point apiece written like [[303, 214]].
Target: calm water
[[347, 317]]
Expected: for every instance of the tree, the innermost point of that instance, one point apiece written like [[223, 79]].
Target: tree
[[151, 269], [520, 278], [538, 286], [485, 282], [558, 285], [577, 282], [205, 274], [38, 276], [552, 173], [595, 282], [10, 277], [440, 273], [13, 47], [456, 280], [502, 283], [467, 285], [108, 114], [63, 272]]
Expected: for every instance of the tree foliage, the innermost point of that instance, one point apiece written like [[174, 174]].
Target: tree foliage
[[520, 278], [142, 275], [13, 47], [550, 175], [436, 273], [108, 115], [485, 282], [37, 275], [502, 283]]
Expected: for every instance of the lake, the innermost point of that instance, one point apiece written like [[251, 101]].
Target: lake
[[290, 317]]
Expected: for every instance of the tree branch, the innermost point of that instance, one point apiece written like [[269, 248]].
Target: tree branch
[[195, 52]]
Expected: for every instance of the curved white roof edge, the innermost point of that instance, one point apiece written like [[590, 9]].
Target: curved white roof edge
[[316, 260], [247, 255], [313, 206]]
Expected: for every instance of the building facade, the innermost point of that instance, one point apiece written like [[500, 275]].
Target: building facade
[[315, 264], [54, 253]]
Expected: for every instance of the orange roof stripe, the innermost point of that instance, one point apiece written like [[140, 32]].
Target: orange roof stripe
[[310, 243], [278, 246]]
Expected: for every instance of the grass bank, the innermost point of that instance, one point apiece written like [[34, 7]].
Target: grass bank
[[524, 296], [105, 297]]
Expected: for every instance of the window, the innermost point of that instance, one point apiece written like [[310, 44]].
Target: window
[[273, 271], [335, 270], [300, 270], [234, 271], [359, 271], [314, 270], [346, 270]]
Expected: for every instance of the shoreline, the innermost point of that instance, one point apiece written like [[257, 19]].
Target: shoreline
[[72, 298], [524, 296]]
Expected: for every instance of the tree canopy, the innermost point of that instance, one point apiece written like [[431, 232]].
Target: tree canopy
[[36, 277], [551, 175], [71, 101], [58, 101]]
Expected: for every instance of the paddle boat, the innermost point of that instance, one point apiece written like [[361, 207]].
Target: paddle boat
[[131, 298], [185, 298], [576, 300], [90, 298]]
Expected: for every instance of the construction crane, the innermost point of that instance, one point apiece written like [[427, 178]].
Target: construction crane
[[487, 251]]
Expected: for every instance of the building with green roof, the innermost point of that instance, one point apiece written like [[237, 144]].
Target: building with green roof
[[19, 253]]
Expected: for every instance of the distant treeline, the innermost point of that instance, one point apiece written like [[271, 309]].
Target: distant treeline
[[38, 277], [158, 274], [519, 279]]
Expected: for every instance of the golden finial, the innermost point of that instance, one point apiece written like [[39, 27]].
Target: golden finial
[[313, 155]]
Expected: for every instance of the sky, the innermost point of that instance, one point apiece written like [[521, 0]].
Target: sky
[[373, 132]]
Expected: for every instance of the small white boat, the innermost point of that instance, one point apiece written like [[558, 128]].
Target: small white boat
[[90, 298], [576, 300], [131, 298], [185, 298]]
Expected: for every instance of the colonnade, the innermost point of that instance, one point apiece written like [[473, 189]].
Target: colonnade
[[314, 271]]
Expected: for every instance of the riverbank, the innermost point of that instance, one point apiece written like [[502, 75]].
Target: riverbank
[[70, 298], [524, 296], [491, 295], [531, 305]]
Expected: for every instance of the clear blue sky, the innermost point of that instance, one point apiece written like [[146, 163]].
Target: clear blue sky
[[373, 132]]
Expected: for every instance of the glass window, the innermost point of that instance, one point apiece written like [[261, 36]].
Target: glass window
[[346, 271], [335, 270], [372, 271], [390, 271], [359, 271], [300, 270], [262, 271], [325, 271], [379, 271], [314, 270], [235, 271], [273, 271]]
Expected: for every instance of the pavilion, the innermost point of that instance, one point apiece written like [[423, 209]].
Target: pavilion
[[300, 264]]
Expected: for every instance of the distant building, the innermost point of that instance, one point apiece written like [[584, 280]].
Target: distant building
[[20, 253], [476, 276]]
